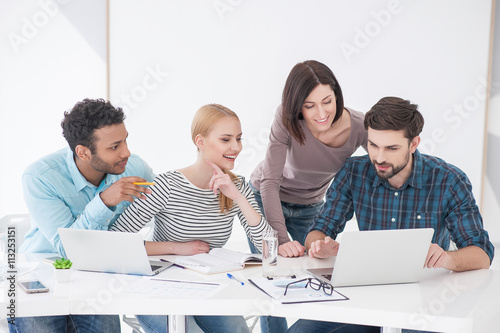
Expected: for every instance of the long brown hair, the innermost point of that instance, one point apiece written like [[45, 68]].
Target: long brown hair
[[303, 78], [202, 124]]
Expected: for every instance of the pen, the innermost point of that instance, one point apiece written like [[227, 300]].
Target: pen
[[143, 183], [235, 279]]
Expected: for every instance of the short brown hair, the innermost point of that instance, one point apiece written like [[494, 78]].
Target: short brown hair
[[301, 81], [396, 114]]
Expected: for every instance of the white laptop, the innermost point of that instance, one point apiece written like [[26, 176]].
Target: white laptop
[[378, 257], [109, 252]]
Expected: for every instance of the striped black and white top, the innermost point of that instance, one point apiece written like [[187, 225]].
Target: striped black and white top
[[184, 212]]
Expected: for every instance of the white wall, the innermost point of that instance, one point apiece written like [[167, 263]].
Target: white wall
[[53, 54], [238, 53], [167, 58], [491, 202]]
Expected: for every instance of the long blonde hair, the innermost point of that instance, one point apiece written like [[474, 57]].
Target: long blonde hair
[[202, 124]]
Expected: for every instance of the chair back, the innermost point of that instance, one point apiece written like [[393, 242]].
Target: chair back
[[20, 221]]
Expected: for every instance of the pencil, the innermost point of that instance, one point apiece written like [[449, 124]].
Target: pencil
[[143, 183]]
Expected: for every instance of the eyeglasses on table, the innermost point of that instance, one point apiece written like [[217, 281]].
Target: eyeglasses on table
[[315, 284]]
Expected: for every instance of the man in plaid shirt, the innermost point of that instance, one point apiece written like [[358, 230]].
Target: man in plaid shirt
[[396, 187]]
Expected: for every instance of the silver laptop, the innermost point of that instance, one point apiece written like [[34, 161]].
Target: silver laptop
[[378, 257], [109, 252]]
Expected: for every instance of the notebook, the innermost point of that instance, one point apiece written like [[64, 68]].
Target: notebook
[[378, 257], [218, 260], [109, 252]]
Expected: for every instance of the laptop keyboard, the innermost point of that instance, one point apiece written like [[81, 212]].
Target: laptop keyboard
[[327, 276], [155, 267]]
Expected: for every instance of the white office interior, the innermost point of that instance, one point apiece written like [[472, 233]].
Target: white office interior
[[162, 60]]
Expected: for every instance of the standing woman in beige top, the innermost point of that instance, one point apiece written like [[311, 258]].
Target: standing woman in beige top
[[311, 137]]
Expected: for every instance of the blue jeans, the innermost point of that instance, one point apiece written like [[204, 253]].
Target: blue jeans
[[313, 326], [70, 323], [208, 324], [298, 219]]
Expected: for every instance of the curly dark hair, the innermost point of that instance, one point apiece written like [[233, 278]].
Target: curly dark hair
[[86, 116], [396, 114]]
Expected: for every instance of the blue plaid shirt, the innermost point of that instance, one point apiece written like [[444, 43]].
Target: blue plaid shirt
[[436, 195]]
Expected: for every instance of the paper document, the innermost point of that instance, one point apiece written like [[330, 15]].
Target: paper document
[[218, 260], [296, 293], [175, 288]]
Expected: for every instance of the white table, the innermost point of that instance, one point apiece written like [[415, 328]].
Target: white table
[[442, 301]]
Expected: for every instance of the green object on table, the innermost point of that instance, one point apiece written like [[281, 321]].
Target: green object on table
[[62, 263]]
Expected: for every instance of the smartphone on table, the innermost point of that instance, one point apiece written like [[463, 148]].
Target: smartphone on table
[[51, 260], [33, 287]]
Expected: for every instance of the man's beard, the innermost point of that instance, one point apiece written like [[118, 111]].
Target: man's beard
[[392, 171], [100, 165]]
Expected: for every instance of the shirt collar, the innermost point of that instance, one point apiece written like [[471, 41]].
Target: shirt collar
[[78, 179], [109, 179], [415, 180]]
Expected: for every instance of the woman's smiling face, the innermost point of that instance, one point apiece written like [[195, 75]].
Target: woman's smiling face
[[223, 143], [319, 109]]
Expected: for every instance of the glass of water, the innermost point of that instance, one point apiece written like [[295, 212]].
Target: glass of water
[[270, 253]]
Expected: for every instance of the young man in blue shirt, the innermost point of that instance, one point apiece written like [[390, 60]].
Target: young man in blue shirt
[[396, 187], [84, 186]]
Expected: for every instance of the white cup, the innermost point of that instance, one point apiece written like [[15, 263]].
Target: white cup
[[270, 253]]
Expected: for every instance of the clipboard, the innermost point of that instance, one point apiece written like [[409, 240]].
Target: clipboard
[[297, 293]]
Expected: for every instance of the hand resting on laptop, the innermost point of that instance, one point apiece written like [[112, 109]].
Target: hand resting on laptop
[[324, 247]]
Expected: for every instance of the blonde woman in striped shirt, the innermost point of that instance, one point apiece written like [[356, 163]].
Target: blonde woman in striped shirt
[[194, 207]]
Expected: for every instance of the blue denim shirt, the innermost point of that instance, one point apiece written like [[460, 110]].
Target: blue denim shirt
[[436, 195], [58, 196]]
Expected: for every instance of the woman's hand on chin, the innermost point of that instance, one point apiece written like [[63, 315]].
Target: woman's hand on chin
[[223, 182]]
